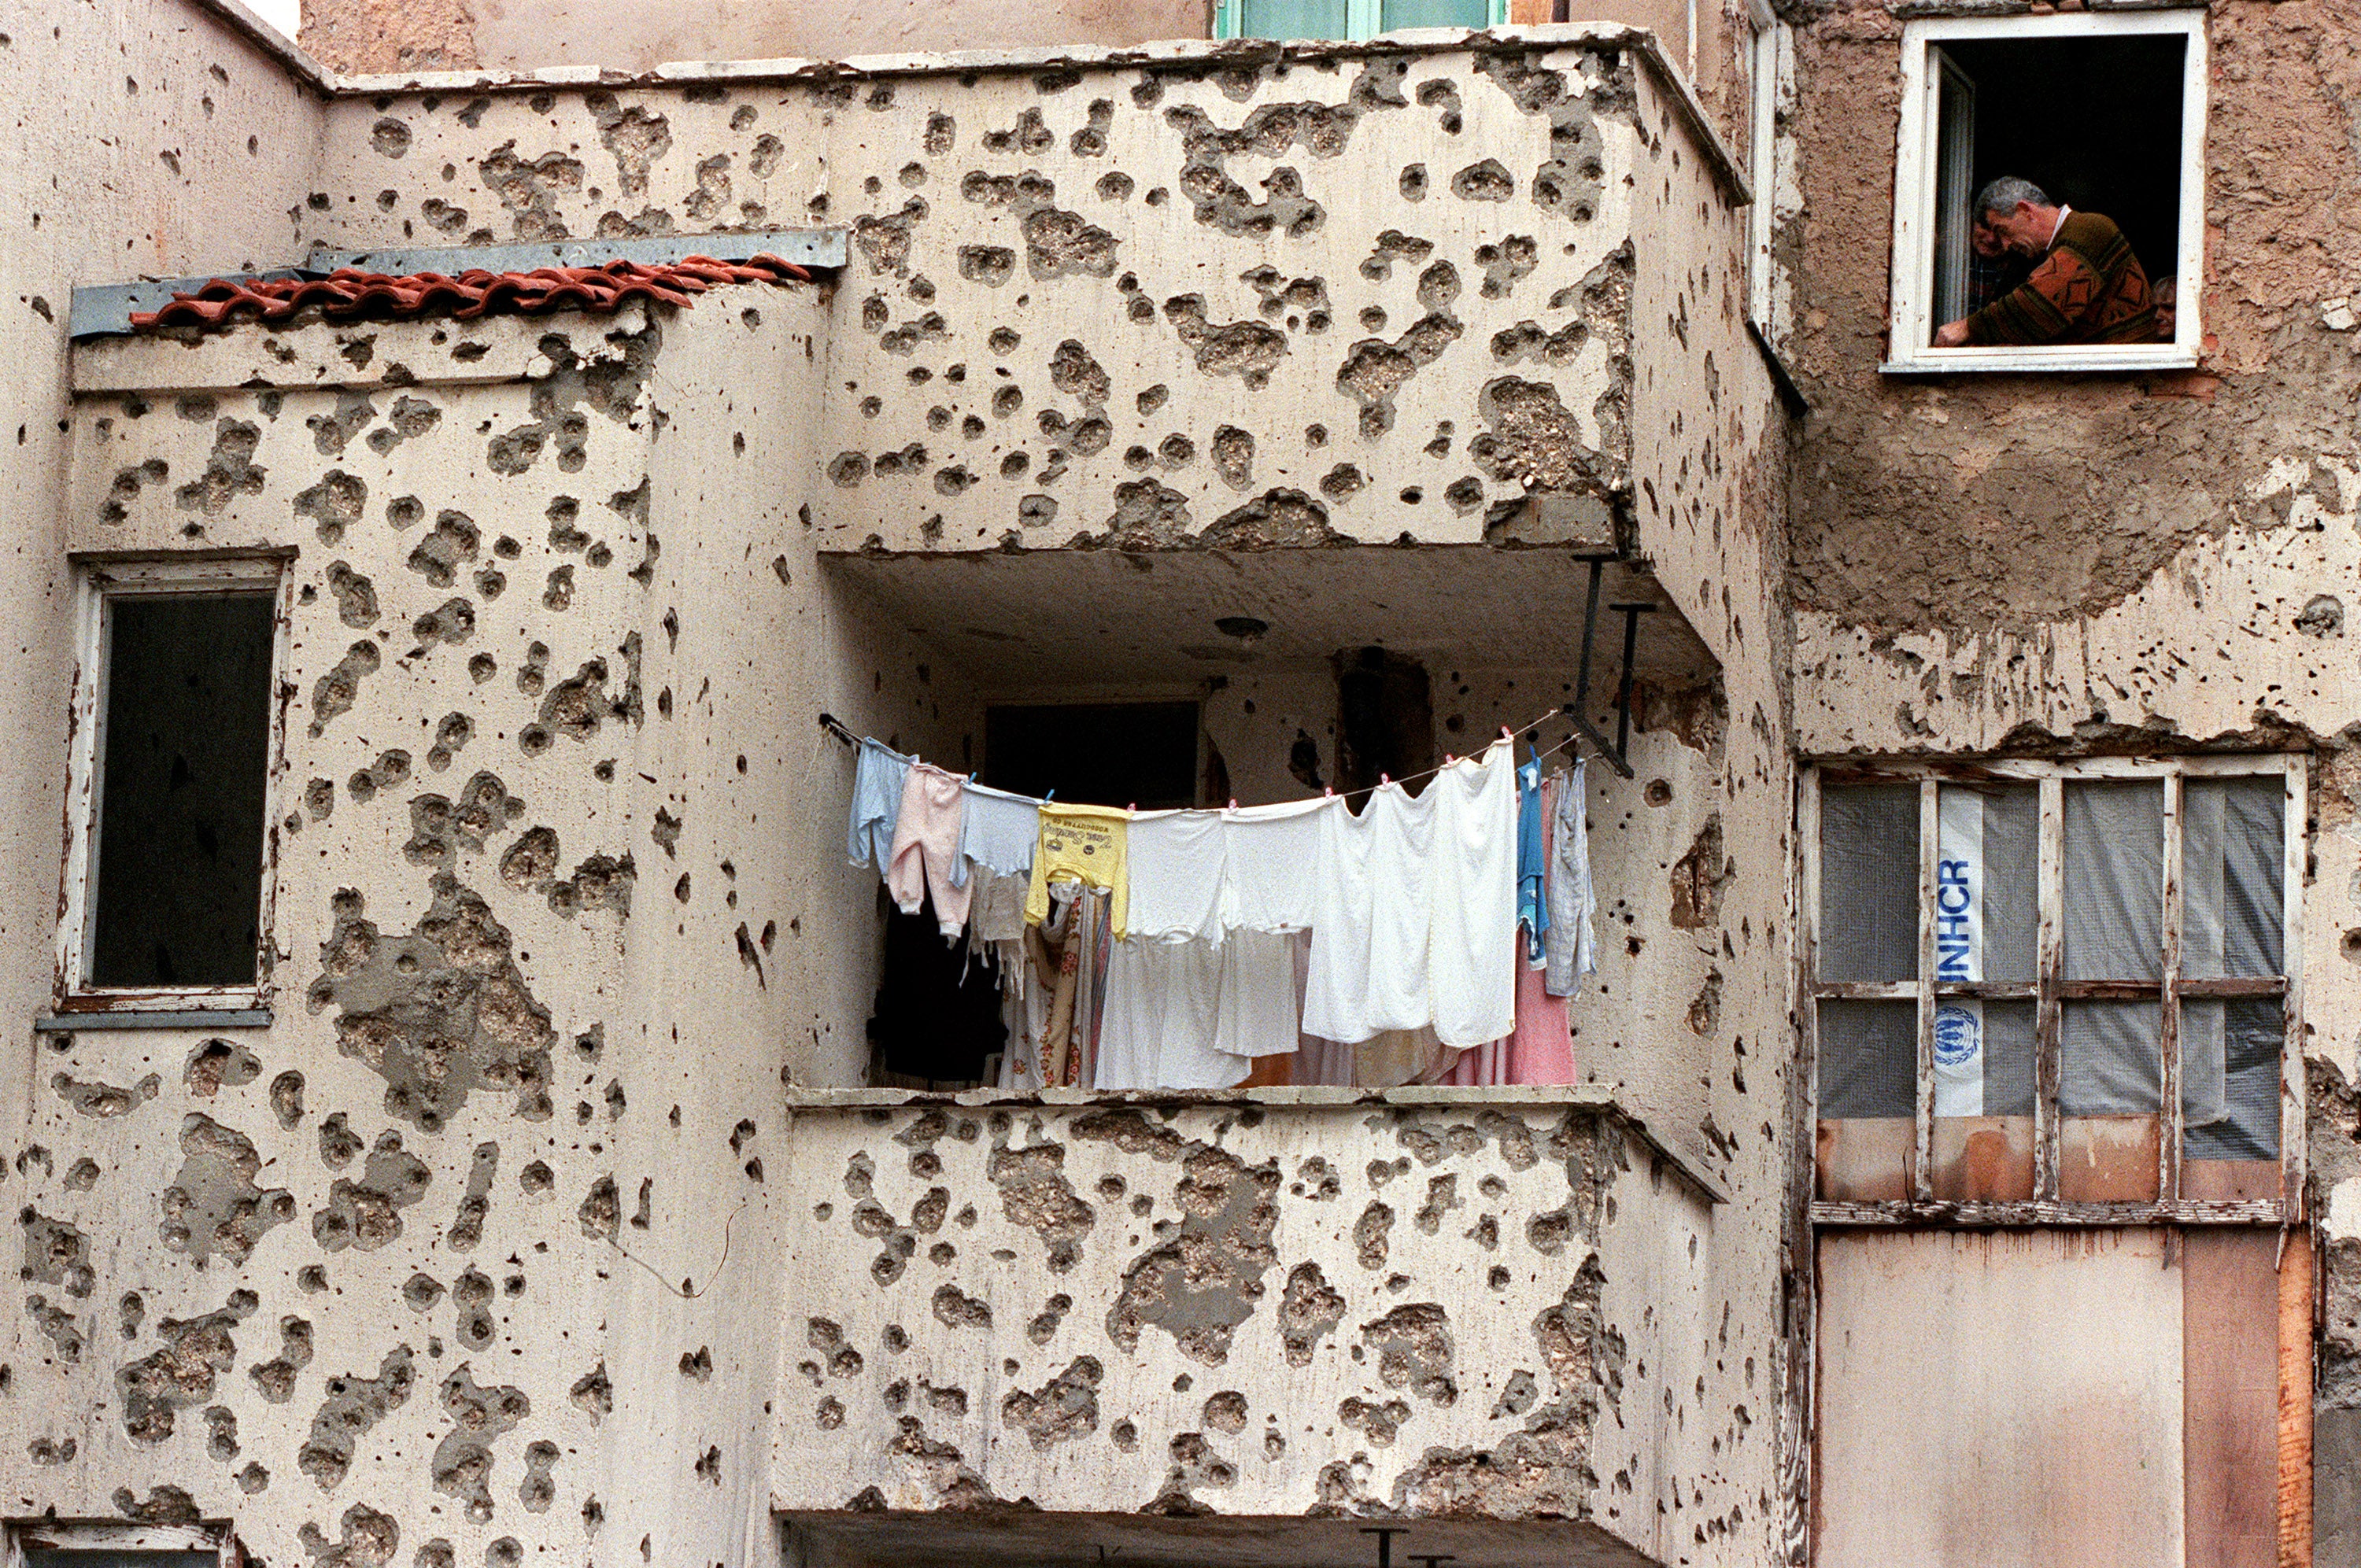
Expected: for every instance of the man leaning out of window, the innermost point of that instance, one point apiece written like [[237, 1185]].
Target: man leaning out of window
[[2086, 286]]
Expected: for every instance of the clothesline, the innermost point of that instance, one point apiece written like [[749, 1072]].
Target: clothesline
[[1426, 934], [836, 727]]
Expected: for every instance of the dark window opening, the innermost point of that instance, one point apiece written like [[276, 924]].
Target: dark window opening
[[2095, 122], [177, 894], [1128, 754], [1385, 717]]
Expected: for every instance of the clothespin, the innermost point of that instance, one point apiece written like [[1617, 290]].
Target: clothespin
[[1234, 803], [1048, 796], [1329, 791], [1448, 759], [1383, 780]]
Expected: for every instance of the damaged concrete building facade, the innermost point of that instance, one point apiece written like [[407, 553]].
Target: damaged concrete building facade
[[1356, 399]]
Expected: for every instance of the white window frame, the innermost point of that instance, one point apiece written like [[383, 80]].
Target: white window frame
[[95, 1536], [2045, 1207], [1911, 325], [100, 581], [1361, 18], [1768, 47]]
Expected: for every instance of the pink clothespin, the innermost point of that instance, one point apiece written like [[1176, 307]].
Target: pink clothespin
[[1383, 780], [1329, 791], [1506, 734], [1448, 759], [1133, 807], [1234, 803]]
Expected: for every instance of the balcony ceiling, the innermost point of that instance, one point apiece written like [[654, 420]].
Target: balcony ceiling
[[1027, 617]]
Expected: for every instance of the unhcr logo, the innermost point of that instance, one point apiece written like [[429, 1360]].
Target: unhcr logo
[[1958, 1036]]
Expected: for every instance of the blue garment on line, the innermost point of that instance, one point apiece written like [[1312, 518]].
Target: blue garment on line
[[876, 805], [1532, 860]]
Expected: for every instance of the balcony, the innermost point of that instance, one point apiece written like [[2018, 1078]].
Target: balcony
[[1225, 1331]]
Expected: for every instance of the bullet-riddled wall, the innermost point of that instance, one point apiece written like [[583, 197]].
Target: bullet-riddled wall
[[456, 1261]]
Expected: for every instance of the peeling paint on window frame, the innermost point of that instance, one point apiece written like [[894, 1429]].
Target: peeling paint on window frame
[[98, 579], [2046, 1206]]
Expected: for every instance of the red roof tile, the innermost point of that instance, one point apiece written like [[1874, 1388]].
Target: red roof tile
[[347, 294]]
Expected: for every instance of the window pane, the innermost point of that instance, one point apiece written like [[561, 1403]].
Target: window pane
[[1292, 18], [179, 893], [1984, 1100], [2114, 880], [1955, 133], [1396, 13], [2111, 1086], [2230, 1078], [1869, 1059], [1869, 881], [1986, 882], [1869, 1056], [2234, 849]]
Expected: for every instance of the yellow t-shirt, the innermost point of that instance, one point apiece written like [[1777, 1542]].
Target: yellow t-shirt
[[1084, 844]]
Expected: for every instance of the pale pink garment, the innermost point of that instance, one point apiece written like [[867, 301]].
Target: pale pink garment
[[925, 847], [1540, 1051]]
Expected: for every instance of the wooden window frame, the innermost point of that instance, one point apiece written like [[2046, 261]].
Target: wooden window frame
[[1909, 349], [99, 582], [2050, 989], [1361, 18]]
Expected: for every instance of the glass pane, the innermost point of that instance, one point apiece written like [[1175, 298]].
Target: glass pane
[[2232, 833], [1984, 1100], [2114, 880], [1987, 859], [1397, 14], [2230, 1078], [2110, 1090], [1869, 881], [1292, 18], [178, 894], [1869, 1053], [1955, 136]]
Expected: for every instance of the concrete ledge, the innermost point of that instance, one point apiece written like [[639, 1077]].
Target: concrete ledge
[[1595, 1098], [318, 355], [272, 42]]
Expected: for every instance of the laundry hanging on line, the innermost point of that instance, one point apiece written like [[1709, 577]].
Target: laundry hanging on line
[[1176, 949]]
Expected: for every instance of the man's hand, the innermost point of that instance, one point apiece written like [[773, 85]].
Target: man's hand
[[1951, 335]]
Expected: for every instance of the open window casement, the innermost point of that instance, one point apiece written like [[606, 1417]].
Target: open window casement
[[2105, 113], [176, 745], [2050, 990], [1769, 67], [1349, 18]]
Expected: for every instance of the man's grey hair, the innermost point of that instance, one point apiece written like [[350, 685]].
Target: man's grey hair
[[2003, 194]]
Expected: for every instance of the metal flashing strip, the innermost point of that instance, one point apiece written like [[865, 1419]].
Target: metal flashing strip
[[104, 310], [805, 247], [189, 1018]]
